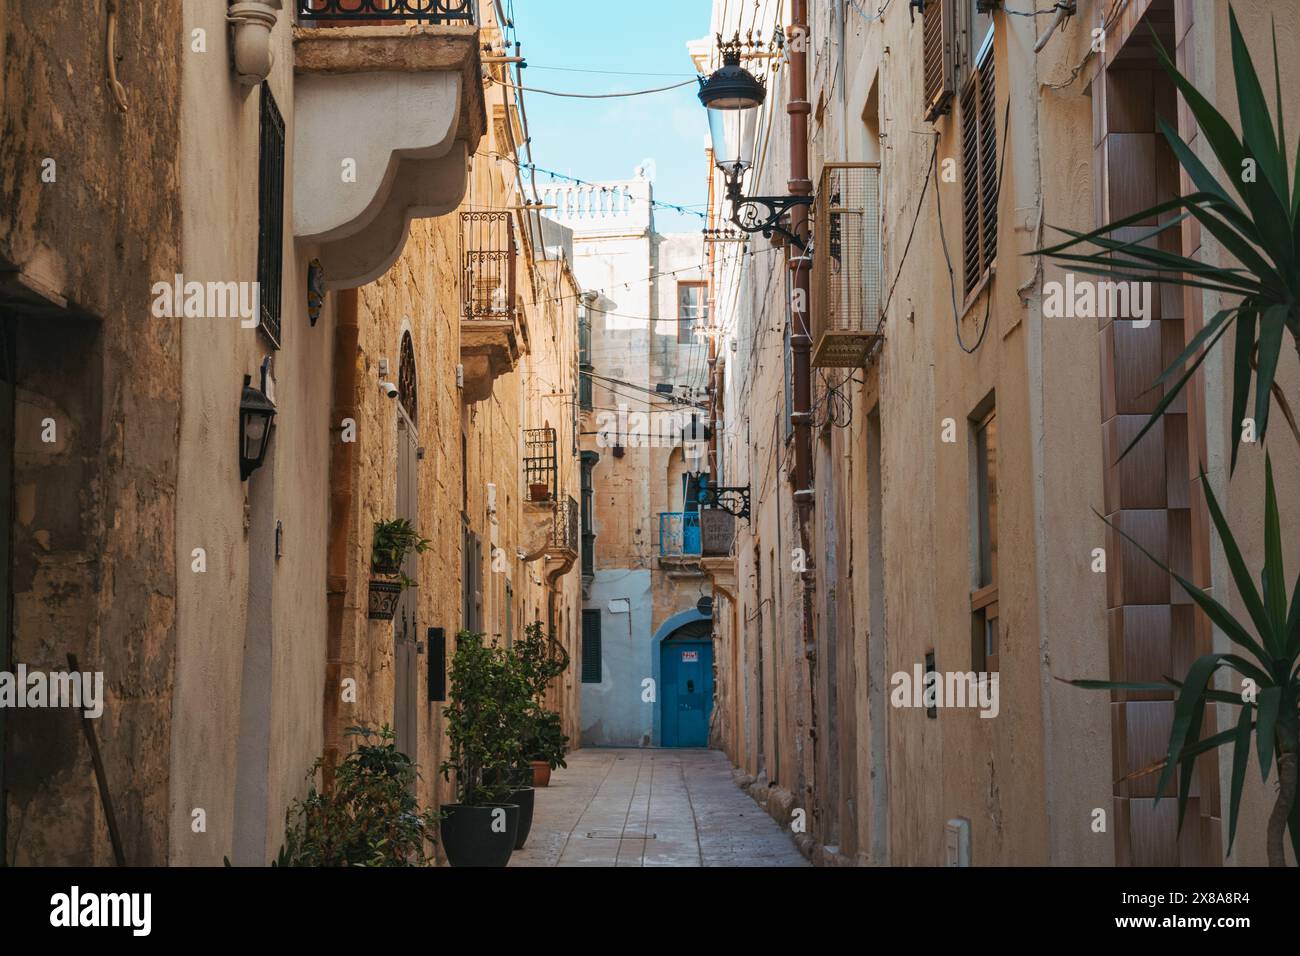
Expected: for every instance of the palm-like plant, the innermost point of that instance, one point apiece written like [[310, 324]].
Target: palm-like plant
[[1270, 695], [1260, 228]]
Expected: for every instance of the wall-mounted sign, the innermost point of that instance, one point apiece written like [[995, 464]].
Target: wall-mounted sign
[[690, 657]]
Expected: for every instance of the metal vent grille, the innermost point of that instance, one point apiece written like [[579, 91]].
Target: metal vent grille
[[847, 269]]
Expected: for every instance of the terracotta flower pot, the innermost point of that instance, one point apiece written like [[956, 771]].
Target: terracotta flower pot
[[539, 491], [541, 773]]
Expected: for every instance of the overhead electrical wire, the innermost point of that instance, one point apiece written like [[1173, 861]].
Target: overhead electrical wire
[[594, 96]]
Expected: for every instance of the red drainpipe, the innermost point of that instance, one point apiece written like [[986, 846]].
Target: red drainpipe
[[800, 184]]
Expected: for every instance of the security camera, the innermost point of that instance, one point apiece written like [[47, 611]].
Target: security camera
[[388, 389]]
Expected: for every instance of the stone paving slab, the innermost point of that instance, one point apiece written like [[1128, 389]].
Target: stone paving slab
[[652, 808]]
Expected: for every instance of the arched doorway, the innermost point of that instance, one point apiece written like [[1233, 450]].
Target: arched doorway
[[686, 681]]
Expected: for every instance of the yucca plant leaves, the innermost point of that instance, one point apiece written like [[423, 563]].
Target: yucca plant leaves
[[1269, 700], [1216, 612], [1171, 394], [1187, 710], [1257, 127], [1272, 322], [1293, 624], [1198, 341], [1246, 669], [1261, 232], [1273, 576], [1240, 760], [1187, 764], [1121, 685], [1242, 372], [1241, 575]]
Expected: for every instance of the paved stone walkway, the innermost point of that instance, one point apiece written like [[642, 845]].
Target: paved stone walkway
[[633, 807]]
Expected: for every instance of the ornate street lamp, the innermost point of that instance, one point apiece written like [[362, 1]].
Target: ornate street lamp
[[733, 95], [256, 412]]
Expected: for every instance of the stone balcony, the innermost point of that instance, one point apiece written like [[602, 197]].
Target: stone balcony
[[385, 120]]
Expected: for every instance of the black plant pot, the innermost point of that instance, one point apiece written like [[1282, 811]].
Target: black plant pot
[[524, 796], [470, 839]]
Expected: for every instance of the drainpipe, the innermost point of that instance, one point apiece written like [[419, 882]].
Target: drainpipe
[[715, 385], [342, 479], [800, 184]]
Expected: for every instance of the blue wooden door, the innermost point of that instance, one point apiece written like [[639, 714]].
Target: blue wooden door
[[686, 670]]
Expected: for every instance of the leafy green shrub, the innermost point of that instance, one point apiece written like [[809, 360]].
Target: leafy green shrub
[[489, 698], [369, 817]]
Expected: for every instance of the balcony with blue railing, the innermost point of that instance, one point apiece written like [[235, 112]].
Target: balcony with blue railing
[[679, 534]]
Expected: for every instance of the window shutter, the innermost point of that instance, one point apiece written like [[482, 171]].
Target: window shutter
[[591, 646], [270, 214], [437, 663], [979, 182], [938, 25]]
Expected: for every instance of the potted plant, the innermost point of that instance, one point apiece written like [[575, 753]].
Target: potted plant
[[539, 491], [481, 829], [545, 746], [368, 817], [541, 659], [392, 542]]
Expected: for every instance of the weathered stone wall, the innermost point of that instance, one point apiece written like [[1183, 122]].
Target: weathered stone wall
[[93, 532]]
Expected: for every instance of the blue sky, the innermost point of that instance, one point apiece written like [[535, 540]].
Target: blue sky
[[606, 139]]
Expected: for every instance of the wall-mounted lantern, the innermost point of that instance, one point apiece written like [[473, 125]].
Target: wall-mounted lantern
[[256, 413], [733, 95]]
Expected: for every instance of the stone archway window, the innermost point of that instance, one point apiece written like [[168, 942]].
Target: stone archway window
[[406, 377]]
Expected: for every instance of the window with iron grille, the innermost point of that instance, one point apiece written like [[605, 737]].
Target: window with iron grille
[[487, 257], [591, 646], [270, 215], [692, 310], [539, 463], [979, 180]]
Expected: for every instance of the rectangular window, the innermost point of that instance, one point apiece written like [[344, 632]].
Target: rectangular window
[[692, 310], [979, 181], [270, 215], [984, 599], [591, 646]]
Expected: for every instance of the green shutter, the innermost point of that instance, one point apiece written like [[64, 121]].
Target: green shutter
[[591, 646]]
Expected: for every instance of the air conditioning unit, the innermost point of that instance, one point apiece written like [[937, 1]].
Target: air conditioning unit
[[847, 293]]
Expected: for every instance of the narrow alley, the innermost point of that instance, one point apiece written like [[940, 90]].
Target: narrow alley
[[618, 806]]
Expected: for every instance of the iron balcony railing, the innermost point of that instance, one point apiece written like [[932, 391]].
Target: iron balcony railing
[[539, 464], [679, 533], [487, 266], [565, 525], [426, 11]]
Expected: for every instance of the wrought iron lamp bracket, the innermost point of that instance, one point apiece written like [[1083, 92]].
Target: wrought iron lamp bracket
[[732, 499], [764, 214]]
